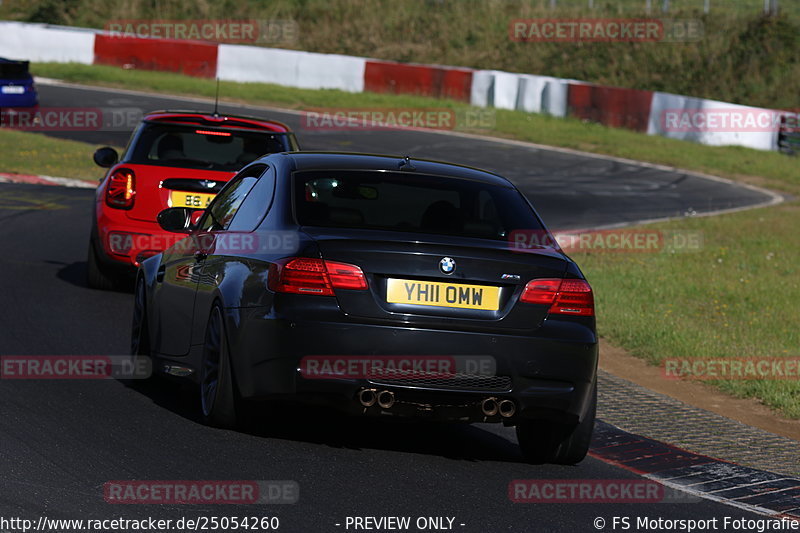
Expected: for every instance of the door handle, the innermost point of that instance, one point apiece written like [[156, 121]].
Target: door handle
[[200, 255]]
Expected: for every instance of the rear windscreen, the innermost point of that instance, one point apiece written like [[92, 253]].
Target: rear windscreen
[[400, 201], [202, 147], [14, 70]]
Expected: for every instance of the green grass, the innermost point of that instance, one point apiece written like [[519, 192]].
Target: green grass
[[743, 57], [736, 297], [31, 153]]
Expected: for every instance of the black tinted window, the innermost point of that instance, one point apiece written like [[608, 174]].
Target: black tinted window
[[400, 201], [223, 209], [256, 204], [14, 70], [201, 147]]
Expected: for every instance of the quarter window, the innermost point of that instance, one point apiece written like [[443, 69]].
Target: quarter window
[[223, 209]]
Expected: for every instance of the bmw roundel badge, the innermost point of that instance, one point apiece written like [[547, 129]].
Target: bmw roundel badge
[[447, 265]]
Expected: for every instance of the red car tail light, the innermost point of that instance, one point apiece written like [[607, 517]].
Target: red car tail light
[[344, 276], [306, 275], [564, 296], [121, 190]]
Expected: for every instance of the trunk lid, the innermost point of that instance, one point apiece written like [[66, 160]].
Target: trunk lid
[[158, 188], [407, 285]]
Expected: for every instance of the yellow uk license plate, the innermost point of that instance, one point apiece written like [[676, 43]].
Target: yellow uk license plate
[[196, 200], [439, 294]]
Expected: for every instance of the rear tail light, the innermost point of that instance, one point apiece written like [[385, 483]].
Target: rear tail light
[[306, 275], [121, 189], [564, 296]]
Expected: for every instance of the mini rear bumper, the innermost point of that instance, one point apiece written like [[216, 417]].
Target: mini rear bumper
[[126, 242]]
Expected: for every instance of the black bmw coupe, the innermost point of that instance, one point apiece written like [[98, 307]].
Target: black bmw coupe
[[380, 285]]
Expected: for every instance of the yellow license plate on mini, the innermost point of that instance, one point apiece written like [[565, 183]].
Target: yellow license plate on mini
[[196, 200], [441, 294]]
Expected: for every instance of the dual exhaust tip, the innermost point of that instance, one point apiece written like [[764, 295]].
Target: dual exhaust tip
[[385, 399], [369, 397], [492, 406]]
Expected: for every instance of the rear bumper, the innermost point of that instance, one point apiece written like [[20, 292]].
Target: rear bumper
[[125, 242], [26, 101], [550, 376]]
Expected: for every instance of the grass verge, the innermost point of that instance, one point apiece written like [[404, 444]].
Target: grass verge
[[735, 297], [31, 153]]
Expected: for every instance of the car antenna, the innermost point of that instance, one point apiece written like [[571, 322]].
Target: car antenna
[[405, 164], [216, 100]]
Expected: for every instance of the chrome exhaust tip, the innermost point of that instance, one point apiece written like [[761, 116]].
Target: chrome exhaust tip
[[489, 406], [507, 408], [367, 397], [386, 399]]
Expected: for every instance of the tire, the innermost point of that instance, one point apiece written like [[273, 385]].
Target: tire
[[556, 443], [218, 399], [140, 332], [97, 275]]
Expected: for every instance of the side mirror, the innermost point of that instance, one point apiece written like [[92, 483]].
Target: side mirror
[[105, 157], [176, 219]]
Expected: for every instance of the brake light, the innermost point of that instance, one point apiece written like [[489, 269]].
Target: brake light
[[564, 296], [306, 275], [210, 132], [121, 189]]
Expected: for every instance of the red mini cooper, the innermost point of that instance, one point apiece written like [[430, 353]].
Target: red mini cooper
[[173, 159]]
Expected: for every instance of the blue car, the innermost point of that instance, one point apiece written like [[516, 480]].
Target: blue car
[[16, 84]]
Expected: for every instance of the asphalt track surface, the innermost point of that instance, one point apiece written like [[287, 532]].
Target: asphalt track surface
[[61, 440]]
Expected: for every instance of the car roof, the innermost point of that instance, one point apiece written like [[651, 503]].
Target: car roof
[[217, 120], [359, 161]]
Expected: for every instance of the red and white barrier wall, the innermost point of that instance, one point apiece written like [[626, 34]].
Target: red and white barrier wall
[[290, 67], [712, 122], [424, 80], [185, 57], [38, 42], [642, 111]]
